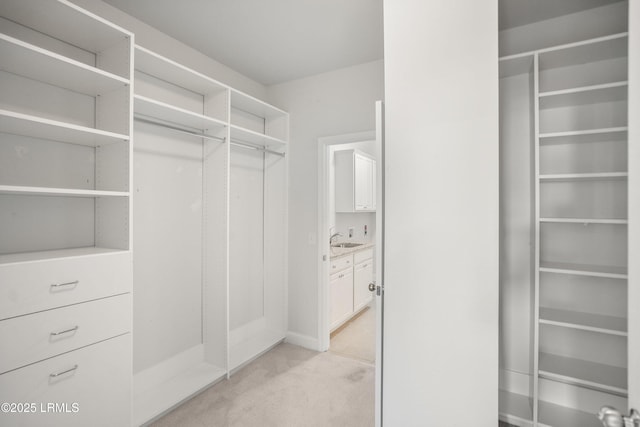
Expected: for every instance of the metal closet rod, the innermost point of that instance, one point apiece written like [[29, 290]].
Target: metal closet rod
[[144, 119], [236, 142], [248, 146]]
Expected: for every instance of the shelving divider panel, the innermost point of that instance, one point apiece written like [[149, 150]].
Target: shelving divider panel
[[62, 192], [54, 254], [248, 136], [584, 176], [89, 32], [38, 127], [610, 92], [42, 65], [179, 116], [584, 321], [585, 132], [586, 220], [170, 71], [609, 379]]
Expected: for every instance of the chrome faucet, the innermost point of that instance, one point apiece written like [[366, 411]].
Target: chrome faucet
[[334, 235]]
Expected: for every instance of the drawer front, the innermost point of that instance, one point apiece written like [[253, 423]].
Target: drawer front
[[41, 285], [90, 387], [341, 263], [363, 255], [42, 335]]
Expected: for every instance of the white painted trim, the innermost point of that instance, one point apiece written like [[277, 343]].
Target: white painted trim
[[323, 228], [302, 340]]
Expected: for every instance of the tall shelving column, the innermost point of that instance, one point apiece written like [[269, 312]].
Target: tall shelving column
[[581, 171], [65, 209]]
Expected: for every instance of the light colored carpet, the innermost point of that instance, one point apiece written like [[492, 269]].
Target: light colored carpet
[[357, 338], [287, 387]]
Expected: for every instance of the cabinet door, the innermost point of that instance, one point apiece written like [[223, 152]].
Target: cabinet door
[[341, 287], [362, 183], [362, 276]]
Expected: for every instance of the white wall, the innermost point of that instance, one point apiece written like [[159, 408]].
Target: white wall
[[165, 45], [334, 103], [441, 213]]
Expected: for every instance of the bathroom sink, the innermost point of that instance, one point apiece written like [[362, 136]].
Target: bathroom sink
[[346, 245]]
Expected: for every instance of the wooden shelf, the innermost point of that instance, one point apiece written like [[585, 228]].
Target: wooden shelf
[[578, 134], [254, 106], [584, 270], [59, 253], [610, 92], [42, 65], [586, 221], [58, 192], [514, 407], [552, 415], [584, 321], [175, 115], [596, 376], [38, 127], [584, 176], [245, 135], [165, 69], [88, 31]]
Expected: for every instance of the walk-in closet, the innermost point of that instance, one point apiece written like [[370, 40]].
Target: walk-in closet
[[563, 210]]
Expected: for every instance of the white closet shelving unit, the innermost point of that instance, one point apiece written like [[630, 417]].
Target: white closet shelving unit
[[186, 124], [65, 209], [564, 216]]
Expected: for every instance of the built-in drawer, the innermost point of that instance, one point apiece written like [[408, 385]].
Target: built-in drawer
[[341, 263], [362, 255], [48, 333], [29, 287], [86, 387]]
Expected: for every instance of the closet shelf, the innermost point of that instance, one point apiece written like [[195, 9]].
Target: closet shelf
[[596, 376], [165, 69], [58, 253], [245, 135], [89, 32], [514, 407], [175, 115], [584, 321], [590, 50], [584, 176], [515, 65], [42, 65], [58, 192], [39, 127], [553, 415], [582, 133], [610, 92], [587, 220], [584, 270], [249, 104]]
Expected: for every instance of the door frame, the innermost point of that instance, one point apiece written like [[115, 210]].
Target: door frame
[[323, 227]]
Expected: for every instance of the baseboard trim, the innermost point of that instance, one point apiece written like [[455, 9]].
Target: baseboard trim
[[301, 340]]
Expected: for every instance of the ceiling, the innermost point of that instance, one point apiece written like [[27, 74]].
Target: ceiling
[[270, 41], [514, 13]]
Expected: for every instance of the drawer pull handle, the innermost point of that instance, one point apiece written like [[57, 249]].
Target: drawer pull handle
[[60, 285], [57, 374], [54, 334]]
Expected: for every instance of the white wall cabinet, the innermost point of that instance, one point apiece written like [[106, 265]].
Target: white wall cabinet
[[355, 181], [65, 211]]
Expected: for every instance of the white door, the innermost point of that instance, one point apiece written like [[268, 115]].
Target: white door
[[441, 205]]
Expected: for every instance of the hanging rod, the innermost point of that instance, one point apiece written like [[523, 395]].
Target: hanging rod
[[144, 119], [248, 146]]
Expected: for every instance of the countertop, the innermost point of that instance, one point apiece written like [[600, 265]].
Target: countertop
[[338, 252]]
